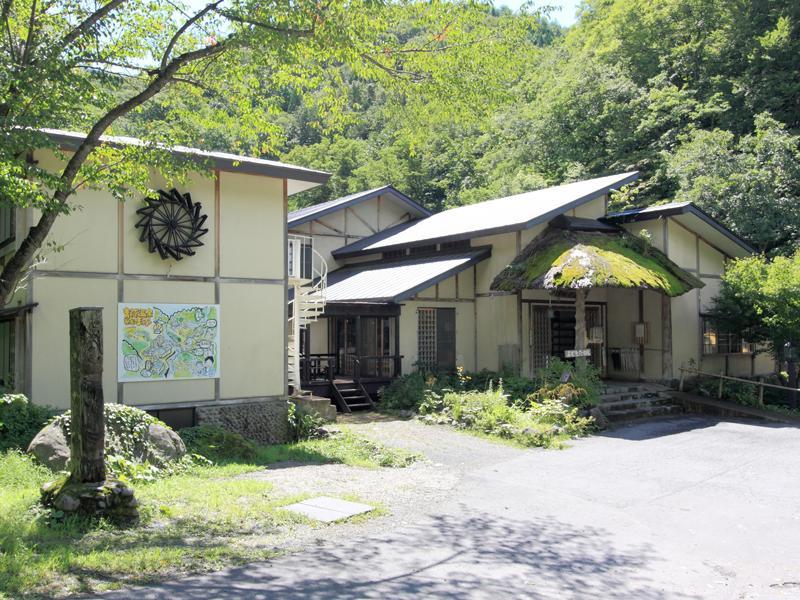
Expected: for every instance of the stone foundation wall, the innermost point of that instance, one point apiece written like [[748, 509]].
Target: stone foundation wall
[[264, 421]]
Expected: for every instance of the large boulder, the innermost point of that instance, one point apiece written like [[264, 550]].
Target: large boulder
[[129, 431], [51, 447], [165, 445]]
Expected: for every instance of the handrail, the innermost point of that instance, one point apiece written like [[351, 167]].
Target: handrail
[[722, 377]]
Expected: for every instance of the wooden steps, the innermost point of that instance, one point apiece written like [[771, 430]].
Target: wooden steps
[[350, 394]]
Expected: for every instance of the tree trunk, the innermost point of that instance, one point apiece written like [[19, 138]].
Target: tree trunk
[[87, 462], [580, 326]]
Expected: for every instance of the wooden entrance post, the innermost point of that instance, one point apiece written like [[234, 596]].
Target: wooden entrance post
[[580, 325], [87, 463], [666, 337]]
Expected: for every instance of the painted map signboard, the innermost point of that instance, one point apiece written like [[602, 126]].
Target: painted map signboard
[[160, 342]]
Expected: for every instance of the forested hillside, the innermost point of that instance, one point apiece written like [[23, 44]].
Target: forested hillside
[[701, 96]]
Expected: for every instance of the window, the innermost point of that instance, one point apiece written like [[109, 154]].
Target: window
[[423, 249], [7, 229], [300, 258], [7, 355], [719, 342], [436, 339], [458, 245], [394, 254]]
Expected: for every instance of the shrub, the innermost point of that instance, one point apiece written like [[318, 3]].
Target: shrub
[[303, 425], [547, 423], [217, 444], [586, 381], [20, 421], [515, 387], [407, 392]]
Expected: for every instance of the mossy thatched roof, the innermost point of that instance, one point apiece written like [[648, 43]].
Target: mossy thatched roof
[[560, 259]]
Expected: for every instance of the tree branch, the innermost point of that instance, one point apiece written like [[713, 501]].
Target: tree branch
[[84, 26], [38, 233], [284, 30], [182, 29]]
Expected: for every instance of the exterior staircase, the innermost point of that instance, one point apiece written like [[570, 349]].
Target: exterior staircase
[[623, 402], [309, 283], [349, 394]]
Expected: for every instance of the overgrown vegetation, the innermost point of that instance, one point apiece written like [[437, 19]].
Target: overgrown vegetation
[[20, 421], [543, 412], [546, 422], [204, 517], [410, 391]]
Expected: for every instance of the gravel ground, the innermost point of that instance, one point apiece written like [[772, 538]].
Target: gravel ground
[[403, 494]]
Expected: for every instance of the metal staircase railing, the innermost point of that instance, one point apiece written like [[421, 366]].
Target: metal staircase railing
[[308, 303]]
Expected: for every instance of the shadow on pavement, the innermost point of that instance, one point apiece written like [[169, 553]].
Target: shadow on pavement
[[660, 427], [444, 557]]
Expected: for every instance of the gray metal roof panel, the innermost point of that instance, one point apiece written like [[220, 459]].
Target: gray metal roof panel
[[397, 280], [501, 215], [221, 160], [309, 213]]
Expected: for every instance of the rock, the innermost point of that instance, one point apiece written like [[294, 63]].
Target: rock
[[600, 419], [51, 447], [168, 445], [67, 503]]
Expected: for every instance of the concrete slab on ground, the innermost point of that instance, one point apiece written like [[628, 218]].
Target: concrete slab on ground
[[328, 510]]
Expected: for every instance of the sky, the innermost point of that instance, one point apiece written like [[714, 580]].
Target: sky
[[563, 10]]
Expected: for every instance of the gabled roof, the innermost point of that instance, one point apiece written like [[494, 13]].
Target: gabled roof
[[502, 215], [309, 213], [397, 280], [692, 218], [299, 178]]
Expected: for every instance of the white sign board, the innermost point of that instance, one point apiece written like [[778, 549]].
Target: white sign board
[[158, 342], [577, 353]]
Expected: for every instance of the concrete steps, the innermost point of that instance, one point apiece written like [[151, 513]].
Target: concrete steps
[[625, 402]]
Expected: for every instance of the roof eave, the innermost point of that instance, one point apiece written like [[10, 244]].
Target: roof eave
[[359, 199], [688, 208], [243, 164]]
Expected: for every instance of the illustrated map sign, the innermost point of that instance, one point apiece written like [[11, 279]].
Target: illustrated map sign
[[160, 342], [577, 353]]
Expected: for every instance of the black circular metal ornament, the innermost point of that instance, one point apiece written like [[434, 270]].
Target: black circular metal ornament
[[171, 224]]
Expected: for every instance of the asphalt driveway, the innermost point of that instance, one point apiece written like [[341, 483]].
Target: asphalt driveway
[[680, 508]]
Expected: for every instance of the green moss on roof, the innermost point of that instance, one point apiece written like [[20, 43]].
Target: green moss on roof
[[561, 259]]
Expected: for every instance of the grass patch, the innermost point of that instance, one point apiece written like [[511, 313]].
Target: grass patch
[[199, 520]]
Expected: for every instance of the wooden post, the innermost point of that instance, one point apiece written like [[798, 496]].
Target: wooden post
[[683, 375], [580, 325], [721, 383], [666, 337], [791, 368], [87, 463], [761, 391]]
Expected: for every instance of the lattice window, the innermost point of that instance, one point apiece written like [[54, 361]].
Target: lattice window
[[426, 338], [539, 337]]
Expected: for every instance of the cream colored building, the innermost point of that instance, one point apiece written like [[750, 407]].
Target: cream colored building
[[240, 266], [405, 289]]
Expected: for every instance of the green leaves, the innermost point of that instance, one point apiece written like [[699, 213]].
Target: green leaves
[[762, 297]]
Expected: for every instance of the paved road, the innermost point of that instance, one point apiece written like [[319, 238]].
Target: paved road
[[682, 508]]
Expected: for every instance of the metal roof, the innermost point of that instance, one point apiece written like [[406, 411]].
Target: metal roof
[[396, 280], [692, 218], [299, 178], [502, 215], [309, 213]]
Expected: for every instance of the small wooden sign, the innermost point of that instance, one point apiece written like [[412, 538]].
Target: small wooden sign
[[577, 353]]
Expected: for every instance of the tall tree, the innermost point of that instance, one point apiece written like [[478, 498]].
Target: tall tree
[[89, 65]]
